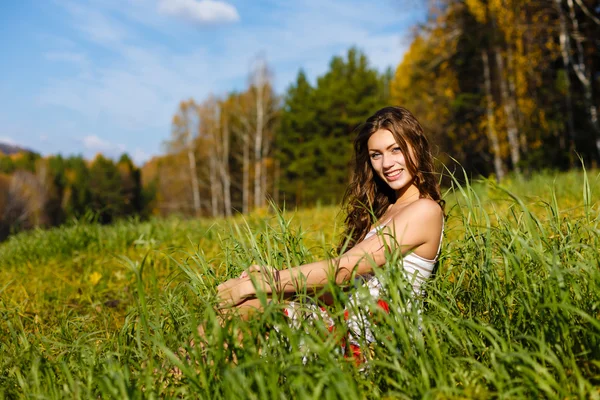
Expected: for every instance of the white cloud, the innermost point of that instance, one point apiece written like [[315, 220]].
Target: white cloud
[[76, 58], [139, 156], [200, 12], [138, 96], [132, 91], [97, 26], [93, 142], [8, 140], [96, 144]]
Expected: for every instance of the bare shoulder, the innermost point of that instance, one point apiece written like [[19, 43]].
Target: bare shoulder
[[422, 215], [417, 226], [424, 208]]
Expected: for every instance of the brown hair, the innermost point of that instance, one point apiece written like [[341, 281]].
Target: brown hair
[[368, 196]]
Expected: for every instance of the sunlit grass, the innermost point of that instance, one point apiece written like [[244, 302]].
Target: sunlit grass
[[103, 311]]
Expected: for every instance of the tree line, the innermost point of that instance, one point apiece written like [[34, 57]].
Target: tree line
[[501, 86], [233, 153], [507, 85], [48, 191]]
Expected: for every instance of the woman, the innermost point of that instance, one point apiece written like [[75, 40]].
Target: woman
[[394, 182]]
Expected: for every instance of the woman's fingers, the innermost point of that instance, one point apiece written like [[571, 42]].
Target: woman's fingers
[[224, 292], [227, 284], [230, 293], [250, 270], [254, 268]]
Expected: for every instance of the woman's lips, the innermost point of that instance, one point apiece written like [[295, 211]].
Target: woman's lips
[[393, 175]]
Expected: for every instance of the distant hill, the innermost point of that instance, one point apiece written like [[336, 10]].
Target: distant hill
[[9, 149]]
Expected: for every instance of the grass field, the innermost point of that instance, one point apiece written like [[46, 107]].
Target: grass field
[[89, 311]]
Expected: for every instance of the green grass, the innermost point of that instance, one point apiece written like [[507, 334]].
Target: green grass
[[513, 312]]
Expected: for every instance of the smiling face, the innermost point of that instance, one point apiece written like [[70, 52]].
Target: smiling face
[[388, 161]]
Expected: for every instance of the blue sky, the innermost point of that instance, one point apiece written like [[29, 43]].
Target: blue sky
[[89, 76]]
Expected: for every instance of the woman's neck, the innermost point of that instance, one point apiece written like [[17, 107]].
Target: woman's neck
[[407, 195]]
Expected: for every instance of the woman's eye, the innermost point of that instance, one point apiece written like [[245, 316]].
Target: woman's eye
[[397, 150], [374, 155]]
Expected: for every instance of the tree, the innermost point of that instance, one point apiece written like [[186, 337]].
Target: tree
[[183, 133], [318, 126], [256, 112], [106, 198], [210, 141], [298, 127], [575, 57], [24, 205], [131, 188], [77, 193], [51, 174], [264, 112]]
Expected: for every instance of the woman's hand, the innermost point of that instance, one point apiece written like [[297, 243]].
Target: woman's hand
[[266, 276], [264, 269], [237, 290], [234, 291]]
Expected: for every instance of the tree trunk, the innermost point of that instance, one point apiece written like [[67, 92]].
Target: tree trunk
[[265, 174], [565, 51], [246, 175], [511, 125], [587, 12], [214, 185], [224, 170], [512, 91], [258, 138], [491, 129], [276, 182], [584, 76], [194, 179]]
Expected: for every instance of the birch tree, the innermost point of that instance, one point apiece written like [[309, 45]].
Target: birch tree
[[242, 129], [209, 141], [264, 111], [183, 133], [565, 51], [225, 126], [255, 111], [491, 125], [512, 129], [583, 73]]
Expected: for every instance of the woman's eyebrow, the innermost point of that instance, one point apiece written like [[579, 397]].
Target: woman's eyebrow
[[387, 148]]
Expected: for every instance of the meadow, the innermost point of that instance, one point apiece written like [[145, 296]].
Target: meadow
[[91, 311]]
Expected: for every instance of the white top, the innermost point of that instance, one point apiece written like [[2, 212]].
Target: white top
[[417, 269]]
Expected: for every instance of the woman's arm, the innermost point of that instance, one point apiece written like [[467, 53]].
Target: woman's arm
[[424, 218]]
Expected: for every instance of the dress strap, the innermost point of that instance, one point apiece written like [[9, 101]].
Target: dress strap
[[441, 237]]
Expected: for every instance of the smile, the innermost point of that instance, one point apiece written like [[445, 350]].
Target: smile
[[393, 174]]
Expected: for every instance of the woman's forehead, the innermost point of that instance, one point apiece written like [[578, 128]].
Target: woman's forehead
[[381, 140]]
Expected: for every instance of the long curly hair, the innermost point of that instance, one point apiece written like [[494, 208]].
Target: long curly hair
[[368, 196]]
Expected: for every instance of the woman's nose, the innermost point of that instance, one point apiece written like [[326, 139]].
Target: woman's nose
[[387, 162]]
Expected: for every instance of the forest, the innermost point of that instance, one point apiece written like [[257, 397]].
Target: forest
[[502, 87]]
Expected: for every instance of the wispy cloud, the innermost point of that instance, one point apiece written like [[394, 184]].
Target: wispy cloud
[[139, 156], [76, 58], [147, 62], [95, 24], [199, 12], [8, 140], [93, 144]]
